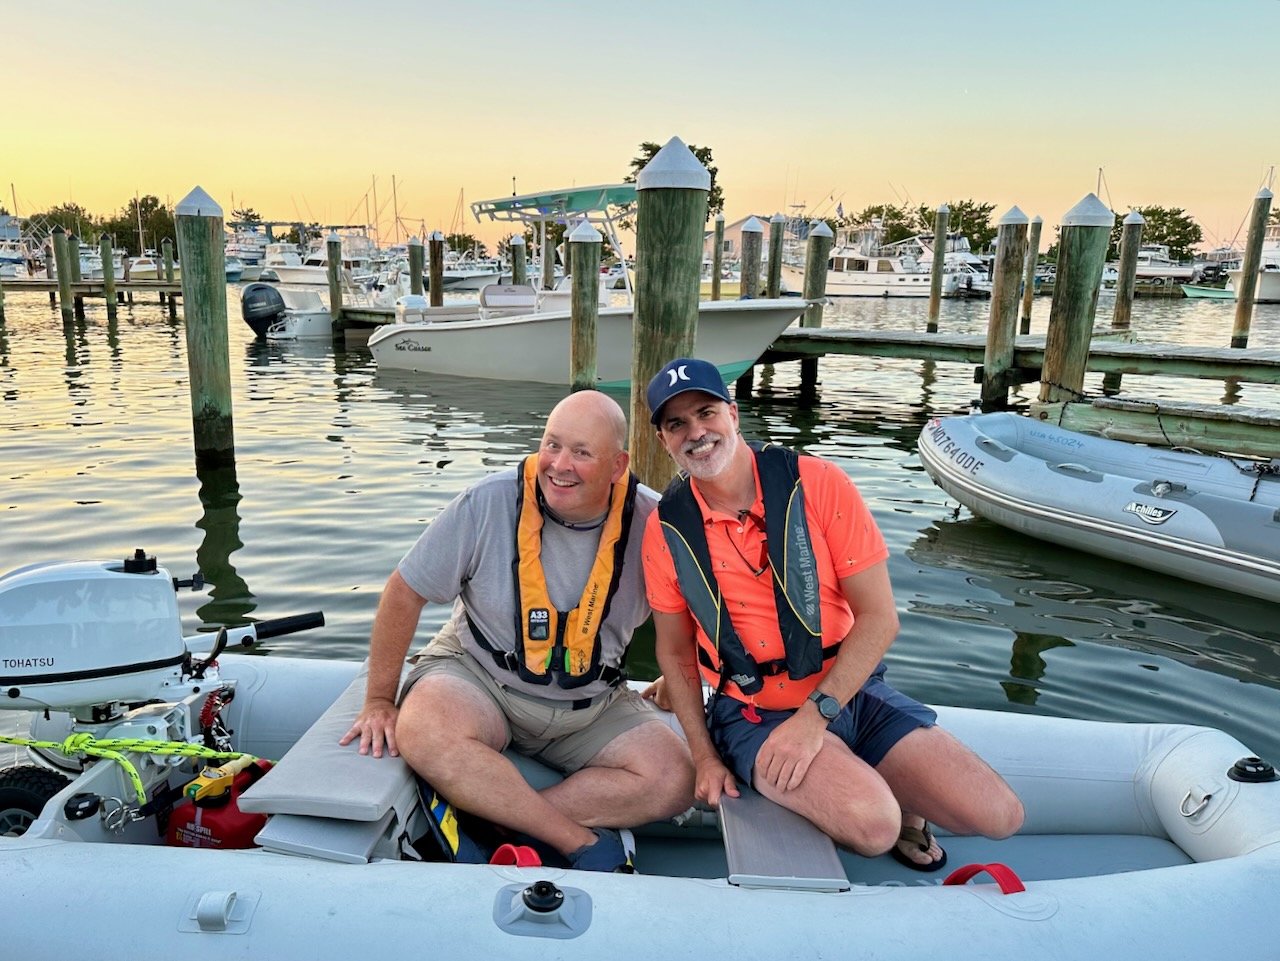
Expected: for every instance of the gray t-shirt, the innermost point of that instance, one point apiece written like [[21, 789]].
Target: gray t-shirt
[[466, 555]]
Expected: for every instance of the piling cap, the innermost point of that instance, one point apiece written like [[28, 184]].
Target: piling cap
[[777, 219], [1090, 212], [819, 228], [584, 233], [1037, 219], [58, 229], [753, 226], [1014, 217], [943, 209], [719, 218], [333, 238], [197, 204], [414, 241], [517, 239], [1263, 194], [435, 236], [674, 166], [1134, 218]]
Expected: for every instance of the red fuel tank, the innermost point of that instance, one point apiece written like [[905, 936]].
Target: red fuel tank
[[217, 821]]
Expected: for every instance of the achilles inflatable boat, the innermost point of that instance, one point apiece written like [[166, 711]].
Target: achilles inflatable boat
[[1206, 518], [1140, 840]]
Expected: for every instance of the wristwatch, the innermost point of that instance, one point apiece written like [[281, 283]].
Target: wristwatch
[[828, 706]]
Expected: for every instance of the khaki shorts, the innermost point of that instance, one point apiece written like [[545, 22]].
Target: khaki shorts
[[560, 737]]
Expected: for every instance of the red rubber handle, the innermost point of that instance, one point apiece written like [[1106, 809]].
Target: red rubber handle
[[1004, 876], [518, 854]]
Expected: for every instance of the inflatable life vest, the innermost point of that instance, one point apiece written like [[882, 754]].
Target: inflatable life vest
[[791, 562], [563, 646]]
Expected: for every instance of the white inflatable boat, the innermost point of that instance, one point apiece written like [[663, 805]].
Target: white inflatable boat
[[1206, 518], [1141, 841]]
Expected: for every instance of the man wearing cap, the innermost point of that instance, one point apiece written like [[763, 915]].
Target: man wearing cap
[[768, 580]]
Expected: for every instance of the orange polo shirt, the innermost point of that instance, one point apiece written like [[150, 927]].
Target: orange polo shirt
[[845, 540]]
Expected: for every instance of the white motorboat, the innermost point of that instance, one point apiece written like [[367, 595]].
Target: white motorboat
[[1267, 289], [234, 269], [290, 267], [1140, 840], [1206, 518], [285, 313], [518, 333], [1156, 267], [860, 266], [513, 334], [150, 266]]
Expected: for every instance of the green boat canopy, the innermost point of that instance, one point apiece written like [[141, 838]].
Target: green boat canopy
[[575, 202]]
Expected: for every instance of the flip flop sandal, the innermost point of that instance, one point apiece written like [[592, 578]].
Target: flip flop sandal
[[923, 838]]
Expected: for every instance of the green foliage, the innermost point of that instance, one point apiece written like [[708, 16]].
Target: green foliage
[[246, 215], [966, 217], [555, 236], [1171, 226], [465, 243], [72, 218], [897, 223], [156, 220], [648, 150]]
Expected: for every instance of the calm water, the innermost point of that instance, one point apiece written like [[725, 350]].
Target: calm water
[[340, 466]]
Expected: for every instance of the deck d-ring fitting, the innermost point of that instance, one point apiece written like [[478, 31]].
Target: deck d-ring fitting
[[1182, 808]]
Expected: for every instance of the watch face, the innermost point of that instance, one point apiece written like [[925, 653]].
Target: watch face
[[829, 707]]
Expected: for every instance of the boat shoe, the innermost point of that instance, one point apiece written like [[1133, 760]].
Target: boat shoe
[[613, 851]]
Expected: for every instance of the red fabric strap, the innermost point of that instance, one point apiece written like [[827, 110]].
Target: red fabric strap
[[1004, 876]]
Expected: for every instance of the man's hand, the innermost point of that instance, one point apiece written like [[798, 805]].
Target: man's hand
[[657, 692], [787, 752], [712, 779], [375, 726]]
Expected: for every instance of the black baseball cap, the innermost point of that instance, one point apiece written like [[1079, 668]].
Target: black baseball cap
[[681, 376]]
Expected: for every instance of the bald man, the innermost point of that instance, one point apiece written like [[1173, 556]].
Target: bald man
[[542, 565]]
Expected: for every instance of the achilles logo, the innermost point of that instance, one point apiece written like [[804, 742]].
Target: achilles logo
[[1149, 513], [678, 374]]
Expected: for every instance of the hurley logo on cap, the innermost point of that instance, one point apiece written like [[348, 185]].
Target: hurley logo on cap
[[681, 375]]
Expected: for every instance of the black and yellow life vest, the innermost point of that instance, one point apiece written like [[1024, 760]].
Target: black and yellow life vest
[[563, 646], [796, 592]]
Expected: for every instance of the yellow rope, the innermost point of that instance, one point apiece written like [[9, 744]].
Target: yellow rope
[[110, 749]]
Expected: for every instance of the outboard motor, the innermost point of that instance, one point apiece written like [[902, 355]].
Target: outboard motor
[[261, 306]]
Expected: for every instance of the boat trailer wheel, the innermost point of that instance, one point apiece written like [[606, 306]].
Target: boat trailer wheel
[[24, 791]]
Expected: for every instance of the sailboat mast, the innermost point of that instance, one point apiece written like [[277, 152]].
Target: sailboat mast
[[137, 209], [377, 233], [395, 207]]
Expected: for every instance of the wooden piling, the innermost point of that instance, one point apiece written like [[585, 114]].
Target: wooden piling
[[1, 303], [816, 256], [717, 258], [1029, 277], [671, 212], [61, 259], [1082, 252], [1002, 323], [941, 221], [204, 297], [108, 275], [73, 265], [584, 266], [1247, 289], [519, 271], [167, 253], [435, 261], [1130, 242], [773, 285], [333, 263], [749, 272], [417, 255]]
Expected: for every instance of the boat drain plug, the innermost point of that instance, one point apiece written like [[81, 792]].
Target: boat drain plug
[[1252, 770], [543, 896]]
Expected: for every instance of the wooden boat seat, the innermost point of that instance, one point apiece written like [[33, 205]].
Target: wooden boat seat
[[768, 846]]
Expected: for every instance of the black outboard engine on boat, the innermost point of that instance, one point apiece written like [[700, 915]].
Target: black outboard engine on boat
[[261, 306]]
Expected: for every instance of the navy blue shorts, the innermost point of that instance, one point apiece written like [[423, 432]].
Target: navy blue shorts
[[873, 722]]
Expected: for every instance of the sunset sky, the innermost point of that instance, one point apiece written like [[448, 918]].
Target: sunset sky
[[294, 108]]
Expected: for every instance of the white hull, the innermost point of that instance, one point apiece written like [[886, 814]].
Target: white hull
[[1114, 866], [302, 325], [1191, 515], [869, 284], [466, 279], [300, 274], [535, 347], [1267, 289]]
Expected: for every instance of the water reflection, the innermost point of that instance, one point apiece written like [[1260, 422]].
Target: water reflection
[[230, 600], [1056, 597]]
